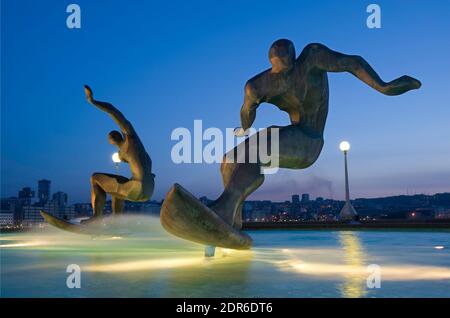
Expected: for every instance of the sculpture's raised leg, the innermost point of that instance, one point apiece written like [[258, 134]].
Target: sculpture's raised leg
[[217, 225], [185, 216]]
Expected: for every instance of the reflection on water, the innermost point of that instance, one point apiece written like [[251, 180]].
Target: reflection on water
[[354, 284], [152, 263], [24, 244]]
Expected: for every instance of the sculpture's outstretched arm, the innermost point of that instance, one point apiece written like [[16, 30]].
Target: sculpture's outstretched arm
[[331, 61], [248, 109], [116, 115]]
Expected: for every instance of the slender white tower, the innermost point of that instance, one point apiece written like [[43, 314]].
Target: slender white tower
[[348, 212]]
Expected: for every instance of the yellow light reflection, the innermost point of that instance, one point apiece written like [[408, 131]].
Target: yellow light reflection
[[355, 280], [237, 257], [25, 244], [153, 264], [400, 272]]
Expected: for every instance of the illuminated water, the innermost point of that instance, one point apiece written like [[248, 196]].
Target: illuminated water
[[282, 264]]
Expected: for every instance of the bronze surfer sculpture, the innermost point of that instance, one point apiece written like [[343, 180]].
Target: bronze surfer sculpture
[[298, 86], [139, 187]]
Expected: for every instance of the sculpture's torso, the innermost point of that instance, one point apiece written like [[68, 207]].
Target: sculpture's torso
[[302, 92], [133, 153]]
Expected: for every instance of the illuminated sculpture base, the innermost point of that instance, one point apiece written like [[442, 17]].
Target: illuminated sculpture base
[[185, 216]]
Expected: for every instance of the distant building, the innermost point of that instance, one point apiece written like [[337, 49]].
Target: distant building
[[43, 191], [26, 195], [12, 206], [295, 199], [261, 211], [32, 216], [421, 214], [153, 208], [247, 211], [6, 219], [60, 198], [442, 213], [83, 209], [149, 207], [305, 197]]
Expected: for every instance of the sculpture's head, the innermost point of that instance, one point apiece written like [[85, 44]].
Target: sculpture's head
[[115, 138], [282, 55]]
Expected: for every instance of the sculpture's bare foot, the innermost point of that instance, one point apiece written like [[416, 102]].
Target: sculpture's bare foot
[[402, 85], [185, 216]]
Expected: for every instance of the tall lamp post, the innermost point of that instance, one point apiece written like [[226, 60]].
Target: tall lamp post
[[348, 212], [116, 160]]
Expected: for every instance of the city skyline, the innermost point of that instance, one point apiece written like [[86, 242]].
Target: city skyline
[[51, 131], [60, 194], [24, 211]]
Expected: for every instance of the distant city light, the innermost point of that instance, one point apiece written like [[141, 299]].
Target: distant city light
[[344, 146], [115, 157]]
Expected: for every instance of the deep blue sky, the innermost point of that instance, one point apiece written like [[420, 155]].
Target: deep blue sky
[[167, 63]]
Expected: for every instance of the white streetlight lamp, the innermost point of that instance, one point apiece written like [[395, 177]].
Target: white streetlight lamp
[[116, 159], [348, 212], [344, 146]]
